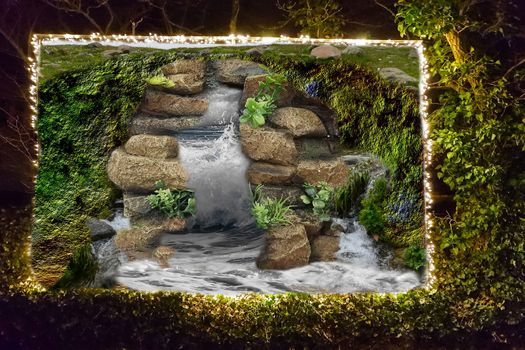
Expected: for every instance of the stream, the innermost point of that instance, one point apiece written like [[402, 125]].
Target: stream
[[217, 254]]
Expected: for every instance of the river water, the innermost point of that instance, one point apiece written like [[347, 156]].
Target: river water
[[217, 254]]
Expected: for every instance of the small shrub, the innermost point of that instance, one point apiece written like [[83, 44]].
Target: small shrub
[[347, 197], [256, 110], [174, 203], [161, 81], [269, 212], [415, 257], [81, 269], [263, 104], [371, 215], [321, 197]]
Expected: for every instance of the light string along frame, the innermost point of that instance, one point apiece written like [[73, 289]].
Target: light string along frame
[[238, 40]]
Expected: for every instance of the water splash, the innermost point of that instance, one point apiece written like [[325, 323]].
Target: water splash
[[217, 173]]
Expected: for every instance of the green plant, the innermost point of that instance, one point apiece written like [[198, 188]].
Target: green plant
[[162, 81], [269, 212], [415, 257], [320, 196], [347, 196], [81, 269], [256, 110], [175, 203], [264, 102], [371, 216], [317, 18]]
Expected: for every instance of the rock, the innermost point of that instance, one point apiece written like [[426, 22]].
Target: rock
[[286, 247], [186, 84], [136, 243], [324, 248], [334, 172], [325, 51], [299, 121], [292, 194], [152, 146], [316, 148], [353, 50], [94, 45], [256, 51], [160, 126], [136, 206], [270, 174], [353, 159], [251, 85], [163, 254], [160, 103], [268, 145], [235, 71], [194, 67], [396, 75], [111, 53], [124, 48], [139, 174], [173, 225], [312, 225], [99, 229]]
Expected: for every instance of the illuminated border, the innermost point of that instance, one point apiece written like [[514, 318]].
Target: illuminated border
[[232, 40]]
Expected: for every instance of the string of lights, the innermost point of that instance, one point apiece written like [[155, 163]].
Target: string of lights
[[42, 39]]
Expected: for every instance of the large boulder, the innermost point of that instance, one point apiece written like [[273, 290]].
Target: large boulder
[[325, 51], [396, 75], [270, 174], [251, 86], [186, 84], [152, 146], [268, 145], [144, 124], [185, 66], [235, 71], [292, 194], [99, 229], [334, 172], [139, 174], [161, 103], [324, 248], [286, 247], [298, 121]]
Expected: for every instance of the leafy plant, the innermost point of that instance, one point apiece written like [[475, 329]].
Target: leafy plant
[[269, 212], [317, 18], [264, 102], [162, 81], [321, 197], [347, 196], [371, 216], [81, 270], [256, 110], [415, 257], [174, 203]]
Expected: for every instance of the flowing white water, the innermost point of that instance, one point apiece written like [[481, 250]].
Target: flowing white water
[[218, 255], [224, 263]]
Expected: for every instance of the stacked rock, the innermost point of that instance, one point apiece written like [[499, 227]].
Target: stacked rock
[[291, 149], [175, 107]]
